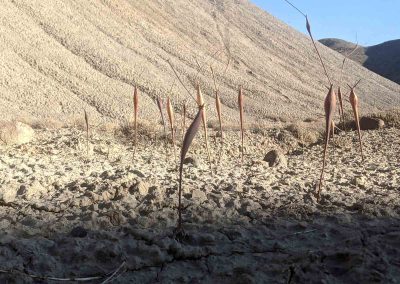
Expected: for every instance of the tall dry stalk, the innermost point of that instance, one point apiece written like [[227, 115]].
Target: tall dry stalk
[[217, 105], [160, 108], [87, 132], [240, 102], [171, 117], [341, 110], [354, 104], [135, 110], [187, 141], [200, 102], [330, 105], [184, 109]]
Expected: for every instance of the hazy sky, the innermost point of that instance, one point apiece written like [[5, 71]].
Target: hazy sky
[[371, 21]]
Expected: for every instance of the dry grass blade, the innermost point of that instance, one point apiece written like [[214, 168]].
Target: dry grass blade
[[171, 117], [135, 109], [180, 80], [200, 102], [184, 108], [217, 104], [240, 102], [341, 110], [160, 108], [87, 132], [187, 141], [330, 105], [354, 104], [308, 26]]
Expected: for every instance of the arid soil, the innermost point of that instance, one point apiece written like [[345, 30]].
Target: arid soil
[[65, 213]]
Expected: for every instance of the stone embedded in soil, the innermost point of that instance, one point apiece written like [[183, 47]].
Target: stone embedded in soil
[[8, 191], [142, 188], [78, 232], [16, 133], [275, 158]]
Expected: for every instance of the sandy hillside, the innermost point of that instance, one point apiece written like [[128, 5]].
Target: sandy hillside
[[65, 214], [61, 56]]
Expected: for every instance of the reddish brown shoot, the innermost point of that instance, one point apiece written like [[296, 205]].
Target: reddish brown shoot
[[87, 132], [171, 117], [240, 102], [341, 111], [135, 109], [200, 102], [330, 105], [160, 108], [187, 141], [184, 120], [354, 104]]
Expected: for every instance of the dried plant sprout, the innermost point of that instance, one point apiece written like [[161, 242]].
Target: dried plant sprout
[[354, 105], [187, 141], [160, 109], [184, 113], [218, 105], [240, 102], [341, 110], [339, 94], [171, 117], [135, 110], [330, 101], [87, 131], [200, 102], [330, 105]]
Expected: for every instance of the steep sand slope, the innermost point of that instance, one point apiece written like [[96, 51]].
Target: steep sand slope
[[61, 56]]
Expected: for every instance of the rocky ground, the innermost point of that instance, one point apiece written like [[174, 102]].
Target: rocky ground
[[65, 213]]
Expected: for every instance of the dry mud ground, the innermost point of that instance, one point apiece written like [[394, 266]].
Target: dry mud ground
[[65, 214]]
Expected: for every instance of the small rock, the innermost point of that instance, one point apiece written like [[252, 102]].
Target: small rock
[[370, 123], [35, 190], [360, 181], [78, 232], [275, 158], [16, 133], [8, 191], [199, 196], [192, 161], [142, 187]]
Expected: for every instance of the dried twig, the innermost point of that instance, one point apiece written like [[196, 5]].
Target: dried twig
[[354, 104], [240, 102], [135, 110], [187, 141], [171, 116], [110, 276], [330, 105], [87, 132], [200, 102]]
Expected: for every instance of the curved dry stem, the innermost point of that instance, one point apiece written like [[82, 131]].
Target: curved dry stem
[[330, 105], [200, 102], [135, 109], [240, 102], [87, 132], [171, 117], [187, 141], [354, 105]]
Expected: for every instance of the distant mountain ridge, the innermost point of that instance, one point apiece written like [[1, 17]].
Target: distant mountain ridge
[[383, 59]]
